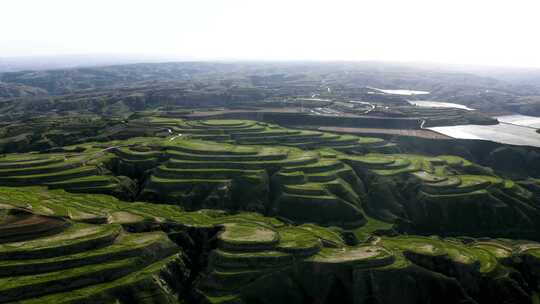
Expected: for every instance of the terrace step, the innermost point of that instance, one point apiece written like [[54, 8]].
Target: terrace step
[[90, 181], [77, 238], [184, 184], [460, 184], [252, 136], [290, 178], [340, 188], [399, 163], [220, 124], [319, 167], [322, 177], [328, 237], [199, 131], [371, 141], [349, 148], [443, 186], [340, 142], [386, 148], [233, 158], [372, 256], [24, 159], [250, 130], [92, 282], [302, 144], [211, 137], [369, 161], [210, 173], [23, 287], [248, 165], [125, 246], [221, 131], [298, 241], [22, 226], [202, 150], [262, 142], [40, 179], [310, 189], [428, 177], [222, 259], [110, 188], [224, 123], [129, 154], [54, 168], [304, 136], [247, 237], [399, 167], [5, 165]]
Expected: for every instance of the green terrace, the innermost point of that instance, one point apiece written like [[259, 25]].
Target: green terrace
[[327, 192], [77, 172], [327, 186], [323, 186], [80, 259], [440, 174], [476, 257], [248, 132], [443, 194], [75, 261], [197, 174], [76, 238], [67, 262], [307, 182]]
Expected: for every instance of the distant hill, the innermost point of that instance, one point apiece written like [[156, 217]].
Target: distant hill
[[41, 63], [288, 79], [13, 90]]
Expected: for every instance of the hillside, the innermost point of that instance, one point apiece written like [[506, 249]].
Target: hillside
[[12, 90], [166, 209], [277, 80], [262, 183]]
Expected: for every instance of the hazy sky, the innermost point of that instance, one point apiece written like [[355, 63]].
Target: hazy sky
[[490, 32]]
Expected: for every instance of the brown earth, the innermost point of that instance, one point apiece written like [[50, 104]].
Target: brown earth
[[401, 132]]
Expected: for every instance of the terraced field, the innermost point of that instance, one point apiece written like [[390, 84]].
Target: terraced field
[[247, 132], [306, 185], [78, 172], [205, 174], [300, 176], [445, 195], [77, 262], [329, 185], [98, 260], [236, 211]]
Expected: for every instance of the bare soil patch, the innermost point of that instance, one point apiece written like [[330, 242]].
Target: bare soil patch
[[401, 132]]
